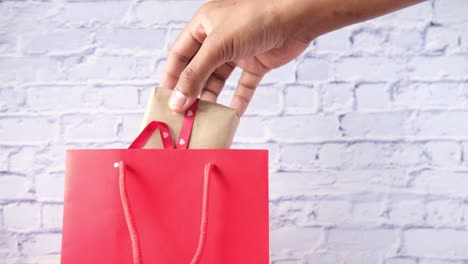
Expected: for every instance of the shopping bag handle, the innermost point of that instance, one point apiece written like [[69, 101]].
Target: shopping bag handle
[[131, 226], [165, 133]]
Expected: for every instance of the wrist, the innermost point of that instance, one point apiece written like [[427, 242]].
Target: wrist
[[305, 20]]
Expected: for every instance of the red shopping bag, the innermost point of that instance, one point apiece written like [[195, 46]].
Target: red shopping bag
[[172, 205]]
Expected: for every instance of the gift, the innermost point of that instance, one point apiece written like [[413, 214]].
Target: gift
[[214, 127], [172, 205]]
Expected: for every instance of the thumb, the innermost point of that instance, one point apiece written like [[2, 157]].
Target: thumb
[[193, 78]]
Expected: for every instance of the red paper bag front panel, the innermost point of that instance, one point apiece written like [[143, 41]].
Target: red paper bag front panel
[[165, 189]]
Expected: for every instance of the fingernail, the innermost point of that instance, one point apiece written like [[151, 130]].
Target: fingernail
[[177, 100]]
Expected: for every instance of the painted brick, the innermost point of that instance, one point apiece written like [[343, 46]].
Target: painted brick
[[369, 69], [465, 214], [62, 41], [363, 125], [22, 217], [361, 240], [8, 245], [405, 41], [334, 212], [312, 69], [89, 127], [464, 39], [43, 244], [337, 97], [14, 187], [444, 213], [299, 156], [436, 243], [266, 101], [336, 42], [439, 261], [323, 258], [334, 155], [361, 257], [407, 212], [119, 97], [392, 191], [401, 260], [284, 74], [52, 216], [159, 12], [428, 95], [375, 179], [46, 259], [12, 99], [438, 68], [444, 154], [369, 40], [50, 186], [377, 155], [300, 99], [54, 98], [290, 213], [451, 11], [292, 183], [134, 39], [440, 39], [440, 182], [18, 129], [441, 124], [371, 96], [244, 131], [5, 155], [25, 160], [88, 14], [304, 127], [110, 68], [296, 239], [368, 212], [30, 69]]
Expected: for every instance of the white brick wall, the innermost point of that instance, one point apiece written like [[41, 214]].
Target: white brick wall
[[367, 131]]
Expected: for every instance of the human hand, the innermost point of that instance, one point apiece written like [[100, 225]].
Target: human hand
[[221, 36], [256, 36]]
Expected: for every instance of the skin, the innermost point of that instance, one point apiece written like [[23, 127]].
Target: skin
[[256, 36]]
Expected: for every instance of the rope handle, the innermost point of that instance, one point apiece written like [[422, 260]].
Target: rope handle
[[131, 226], [136, 250]]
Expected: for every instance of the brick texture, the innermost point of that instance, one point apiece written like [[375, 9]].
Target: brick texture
[[367, 130]]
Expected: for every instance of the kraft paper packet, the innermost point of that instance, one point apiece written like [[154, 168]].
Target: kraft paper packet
[[214, 126]]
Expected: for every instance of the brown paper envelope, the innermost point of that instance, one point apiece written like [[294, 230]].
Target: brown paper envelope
[[214, 126]]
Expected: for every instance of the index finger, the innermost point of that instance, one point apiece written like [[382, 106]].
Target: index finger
[[248, 82], [182, 51]]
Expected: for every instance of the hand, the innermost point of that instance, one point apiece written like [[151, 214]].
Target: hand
[[256, 36], [221, 36]]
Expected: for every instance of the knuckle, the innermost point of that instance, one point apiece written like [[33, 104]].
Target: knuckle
[[248, 85], [218, 76], [189, 75], [229, 48], [225, 47], [242, 99], [178, 56]]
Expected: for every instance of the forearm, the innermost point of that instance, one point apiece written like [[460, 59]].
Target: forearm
[[308, 19]]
